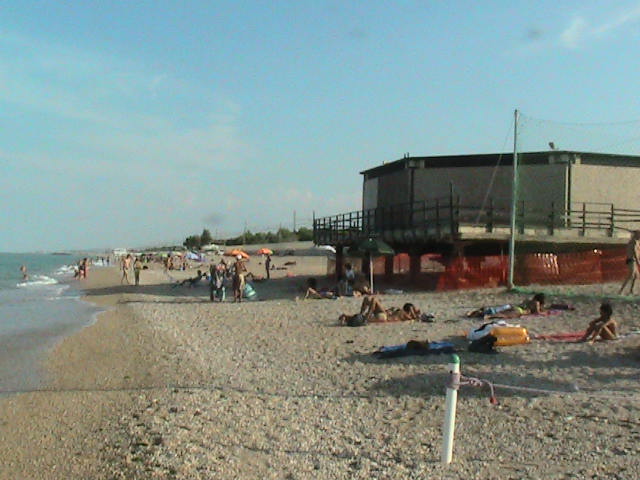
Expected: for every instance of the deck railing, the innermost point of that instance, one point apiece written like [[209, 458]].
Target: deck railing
[[440, 218]]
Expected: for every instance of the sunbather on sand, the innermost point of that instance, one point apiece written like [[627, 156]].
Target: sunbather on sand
[[190, 282], [373, 310], [314, 292], [531, 307], [603, 327]]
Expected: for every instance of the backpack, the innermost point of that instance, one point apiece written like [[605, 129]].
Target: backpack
[[483, 345]]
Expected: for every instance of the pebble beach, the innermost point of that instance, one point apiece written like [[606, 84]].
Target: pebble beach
[[167, 385]]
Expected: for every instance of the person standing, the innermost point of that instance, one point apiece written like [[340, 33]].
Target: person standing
[[126, 266], [218, 277], [267, 266], [239, 270], [25, 275], [137, 267], [633, 262]]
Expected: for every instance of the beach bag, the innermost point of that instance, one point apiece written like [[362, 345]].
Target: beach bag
[[249, 292], [358, 320], [506, 336], [483, 345]]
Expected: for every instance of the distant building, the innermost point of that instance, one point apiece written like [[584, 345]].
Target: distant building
[[574, 212], [561, 178]]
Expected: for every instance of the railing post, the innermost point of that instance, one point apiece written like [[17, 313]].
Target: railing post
[[438, 218], [552, 219], [456, 218], [584, 218], [490, 219], [451, 214], [612, 221]]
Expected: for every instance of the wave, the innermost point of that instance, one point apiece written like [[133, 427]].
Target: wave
[[37, 281], [64, 270]]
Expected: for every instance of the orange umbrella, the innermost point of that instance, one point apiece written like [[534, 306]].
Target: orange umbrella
[[265, 251], [235, 252]]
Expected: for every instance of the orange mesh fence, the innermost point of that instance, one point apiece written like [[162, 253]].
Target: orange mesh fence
[[586, 267], [442, 273]]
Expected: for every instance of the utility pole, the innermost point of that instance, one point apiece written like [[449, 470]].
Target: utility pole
[[514, 200], [294, 221]]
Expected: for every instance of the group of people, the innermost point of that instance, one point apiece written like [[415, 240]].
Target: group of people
[[221, 273], [81, 270], [127, 264], [604, 327]]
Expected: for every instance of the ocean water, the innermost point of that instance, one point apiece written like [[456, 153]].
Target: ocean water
[[36, 314]]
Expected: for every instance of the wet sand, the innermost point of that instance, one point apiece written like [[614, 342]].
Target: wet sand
[[168, 385]]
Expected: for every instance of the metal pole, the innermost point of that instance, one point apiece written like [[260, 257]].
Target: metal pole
[[514, 198], [450, 409]]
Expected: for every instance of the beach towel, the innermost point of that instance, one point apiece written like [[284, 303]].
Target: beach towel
[[545, 313], [414, 347], [570, 337]]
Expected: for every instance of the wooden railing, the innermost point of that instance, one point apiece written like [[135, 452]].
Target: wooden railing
[[439, 218]]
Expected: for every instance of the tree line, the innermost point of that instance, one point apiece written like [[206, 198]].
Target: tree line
[[303, 234]]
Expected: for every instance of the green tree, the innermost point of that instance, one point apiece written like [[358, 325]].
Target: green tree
[[192, 242], [206, 238], [305, 234]]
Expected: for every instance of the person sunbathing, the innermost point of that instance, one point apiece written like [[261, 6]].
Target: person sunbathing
[[374, 312], [314, 292], [603, 327], [532, 306], [190, 282]]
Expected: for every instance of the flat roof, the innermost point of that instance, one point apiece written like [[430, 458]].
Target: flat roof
[[504, 159]]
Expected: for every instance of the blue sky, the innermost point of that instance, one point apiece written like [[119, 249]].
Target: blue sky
[[140, 123]]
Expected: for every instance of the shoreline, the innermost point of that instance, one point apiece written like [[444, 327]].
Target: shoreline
[[166, 384]]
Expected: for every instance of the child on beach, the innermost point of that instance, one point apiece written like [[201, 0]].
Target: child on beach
[[603, 327]]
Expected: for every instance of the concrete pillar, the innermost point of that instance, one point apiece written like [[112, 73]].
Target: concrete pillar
[[339, 261], [414, 266], [388, 267]]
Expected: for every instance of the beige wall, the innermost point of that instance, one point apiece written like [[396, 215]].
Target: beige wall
[[393, 189], [540, 185], [597, 183], [470, 183], [370, 194]]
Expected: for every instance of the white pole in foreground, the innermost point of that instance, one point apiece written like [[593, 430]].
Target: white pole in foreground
[[450, 409]]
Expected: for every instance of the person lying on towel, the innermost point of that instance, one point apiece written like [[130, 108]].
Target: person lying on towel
[[374, 312], [533, 306], [603, 327]]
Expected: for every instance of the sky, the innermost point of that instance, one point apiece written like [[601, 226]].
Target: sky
[[135, 124]]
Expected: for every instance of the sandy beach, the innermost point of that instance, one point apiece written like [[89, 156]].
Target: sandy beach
[[168, 385]]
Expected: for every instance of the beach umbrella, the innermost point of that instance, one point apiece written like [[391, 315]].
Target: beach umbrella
[[235, 252], [265, 251], [371, 247]]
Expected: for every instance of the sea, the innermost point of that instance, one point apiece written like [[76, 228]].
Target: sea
[[36, 314]]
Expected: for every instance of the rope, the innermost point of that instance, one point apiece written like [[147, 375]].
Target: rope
[[481, 382]]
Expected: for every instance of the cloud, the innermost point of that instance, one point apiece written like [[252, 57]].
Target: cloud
[[573, 35], [580, 30], [106, 111]]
